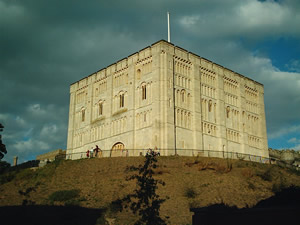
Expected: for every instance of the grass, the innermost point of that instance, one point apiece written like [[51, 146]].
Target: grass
[[266, 175], [68, 197], [190, 181], [64, 195], [7, 177], [190, 192], [247, 172]]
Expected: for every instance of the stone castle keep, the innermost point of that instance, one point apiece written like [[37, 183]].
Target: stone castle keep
[[164, 97]]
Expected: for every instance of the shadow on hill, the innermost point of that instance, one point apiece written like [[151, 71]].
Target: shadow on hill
[[282, 208], [49, 215]]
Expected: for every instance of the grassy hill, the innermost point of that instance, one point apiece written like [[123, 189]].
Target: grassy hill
[[190, 182]]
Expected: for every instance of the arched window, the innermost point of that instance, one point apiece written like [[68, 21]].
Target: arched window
[[100, 108], [117, 149], [227, 111], [122, 100], [182, 95], [138, 74], [144, 91]]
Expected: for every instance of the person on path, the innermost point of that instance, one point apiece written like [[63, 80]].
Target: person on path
[[96, 151], [91, 152], [88, 153]]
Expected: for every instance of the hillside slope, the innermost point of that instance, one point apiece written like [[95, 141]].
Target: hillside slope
[[190, 182]]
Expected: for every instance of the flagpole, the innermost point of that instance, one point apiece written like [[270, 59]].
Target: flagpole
[[169, 35]]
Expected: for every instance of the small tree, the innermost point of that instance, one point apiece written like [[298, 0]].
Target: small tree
[[2, 146], [145, 201]]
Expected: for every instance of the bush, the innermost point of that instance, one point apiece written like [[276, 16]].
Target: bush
[[219, 166], [194, 204], [190, 192], [4, 166], [144, 201], [279, 186], [25, 174], [64, 195], [247, 173], [160, 171], [267, 175], [115, 206], [251, 186], [7, 177]]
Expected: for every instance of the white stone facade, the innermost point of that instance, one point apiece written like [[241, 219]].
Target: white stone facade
[[167, 98]]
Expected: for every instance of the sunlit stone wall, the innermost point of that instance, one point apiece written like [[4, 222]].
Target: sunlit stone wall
[[166, 98]]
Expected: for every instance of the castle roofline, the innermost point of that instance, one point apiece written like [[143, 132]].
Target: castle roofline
[[169, 43]]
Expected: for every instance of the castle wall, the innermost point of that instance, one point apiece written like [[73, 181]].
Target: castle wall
[[167, 98]]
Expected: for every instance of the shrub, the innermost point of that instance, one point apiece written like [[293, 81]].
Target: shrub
[[64, 195], [101, 220], [25, 174], [144, 201], [267, 175], [115, 206], [277, 187], [4, 166], [190, 164], [241, 164], [160, 171], [251, 186], [247, 173], [7, 177], [190, 192], [194, 204], [27, 193], [219, 166]]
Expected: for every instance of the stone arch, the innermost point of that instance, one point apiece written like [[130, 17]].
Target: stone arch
[[182, 93], [227, 111], [117, 150]]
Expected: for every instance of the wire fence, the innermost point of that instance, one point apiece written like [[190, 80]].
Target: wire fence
[[178, 152], [170, 152]]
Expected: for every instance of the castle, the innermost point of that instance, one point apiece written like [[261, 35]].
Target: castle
[[166, 98]]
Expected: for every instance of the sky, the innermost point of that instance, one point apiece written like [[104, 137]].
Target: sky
[[47, 45]]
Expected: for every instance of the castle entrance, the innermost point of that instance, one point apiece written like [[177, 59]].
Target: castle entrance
[[118, 150]]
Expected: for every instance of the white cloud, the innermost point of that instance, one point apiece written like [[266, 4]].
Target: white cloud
[[49, 130], [36, 109], [3, 117], [293, 65], [255, 14], [250, 19], [296, 147], [189, 20], [30, 146], [293, 140], [9, 12], [20, 121], [284, 131]]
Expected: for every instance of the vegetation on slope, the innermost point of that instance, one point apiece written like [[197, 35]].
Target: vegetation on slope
[[190, 182]]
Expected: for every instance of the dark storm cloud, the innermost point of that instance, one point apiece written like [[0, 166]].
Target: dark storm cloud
[[47, 45]]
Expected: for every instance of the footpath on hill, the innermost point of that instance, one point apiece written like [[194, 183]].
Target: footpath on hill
[[190, 182]]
